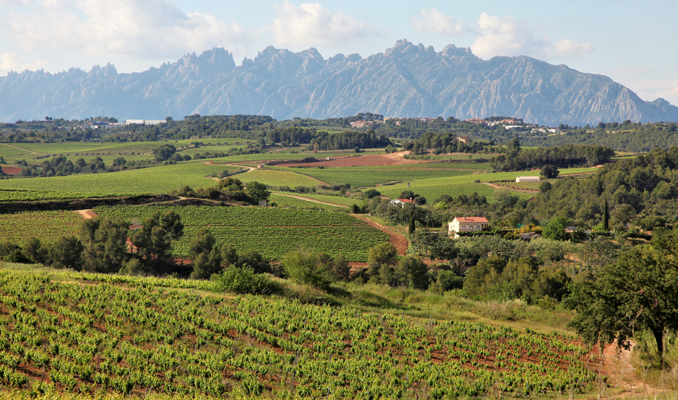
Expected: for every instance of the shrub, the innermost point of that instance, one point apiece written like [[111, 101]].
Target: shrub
[[308, 269], [243, 281]]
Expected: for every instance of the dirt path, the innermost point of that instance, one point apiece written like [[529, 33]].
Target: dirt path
[[311, 200], [86, 214], [623, 379], [395, 239]]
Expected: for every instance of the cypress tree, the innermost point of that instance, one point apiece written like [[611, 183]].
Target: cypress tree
[[606, 218], [412, 227]]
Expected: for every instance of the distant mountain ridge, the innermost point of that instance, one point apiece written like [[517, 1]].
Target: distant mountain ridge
[[406, 80]]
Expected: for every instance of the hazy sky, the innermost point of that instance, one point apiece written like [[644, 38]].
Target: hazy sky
[[630, 41]]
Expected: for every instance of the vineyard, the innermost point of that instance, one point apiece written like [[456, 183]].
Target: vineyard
[[48, 226], [370, 176], [161, 179], [270, 231], [522, 185], [140, 339]]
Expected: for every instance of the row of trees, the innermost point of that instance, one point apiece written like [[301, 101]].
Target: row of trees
[[517, 159]]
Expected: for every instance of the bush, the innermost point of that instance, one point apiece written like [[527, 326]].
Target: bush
[[243, 281], [308, 269]]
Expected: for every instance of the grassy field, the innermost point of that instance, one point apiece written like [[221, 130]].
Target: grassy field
[[160, 179]]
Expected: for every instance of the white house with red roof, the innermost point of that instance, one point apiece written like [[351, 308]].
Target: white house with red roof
[[466, 224]]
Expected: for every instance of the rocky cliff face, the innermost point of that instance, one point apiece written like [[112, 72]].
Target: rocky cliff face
[[405, 81]]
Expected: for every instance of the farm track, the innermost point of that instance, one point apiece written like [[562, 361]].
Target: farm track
[[86, 214], [395, 239], [312, 200]]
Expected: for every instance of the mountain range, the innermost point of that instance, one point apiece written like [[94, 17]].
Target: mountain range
[[406, 80]]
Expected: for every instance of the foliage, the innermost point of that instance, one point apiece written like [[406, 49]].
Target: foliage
[[243, 280], [636, 292], [555, 229], [105, 244], [308, 269], [549, 171]]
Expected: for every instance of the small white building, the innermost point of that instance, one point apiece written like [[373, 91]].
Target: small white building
[[528, 179], [466, 224]]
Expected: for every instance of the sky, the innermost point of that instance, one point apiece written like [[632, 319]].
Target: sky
[[629, 41]]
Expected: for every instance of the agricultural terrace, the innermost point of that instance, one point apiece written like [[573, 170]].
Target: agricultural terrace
[[138, 340], [153, 180], [269, 231], [48, 226]]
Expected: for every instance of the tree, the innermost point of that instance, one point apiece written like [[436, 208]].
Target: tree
[[340, 268], [164, 152], [412, 227], [105, 244], [544, 187], [382, 254], [154, 240], [411, 271], [371, 193], [549, 171], [639, 291], [606, 217], [556, 229], [66, 253], [206, 259], [35, 251], [257, 191], [308, 269]]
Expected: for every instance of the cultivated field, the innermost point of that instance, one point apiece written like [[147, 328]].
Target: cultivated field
[[269, 231], [142, 339]]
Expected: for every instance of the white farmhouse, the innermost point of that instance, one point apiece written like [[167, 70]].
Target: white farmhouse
[[466, 224], [528, 179]]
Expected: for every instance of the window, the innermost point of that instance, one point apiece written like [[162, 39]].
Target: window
[[463, 227], [478, 227]]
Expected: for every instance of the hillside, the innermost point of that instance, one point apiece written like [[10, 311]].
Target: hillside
[[405, 81]]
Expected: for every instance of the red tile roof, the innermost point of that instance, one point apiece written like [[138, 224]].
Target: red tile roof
[[406, 201], [472, 219]]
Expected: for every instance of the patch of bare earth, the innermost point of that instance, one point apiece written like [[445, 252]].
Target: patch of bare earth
[[11, 170], [86, 214], [395, 239], [312, 200]]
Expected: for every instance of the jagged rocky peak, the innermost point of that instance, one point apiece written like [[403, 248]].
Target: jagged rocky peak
[[404, 47], [453, 51], [102, 72]]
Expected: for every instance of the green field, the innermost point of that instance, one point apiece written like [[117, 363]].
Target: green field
[[270, 231], [302, 200], [138, 339], [153, 180], [370, 176], [48, 226], [277, 178]]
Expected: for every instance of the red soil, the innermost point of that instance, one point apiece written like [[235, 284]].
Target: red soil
[[371, 160], [11, 170]]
